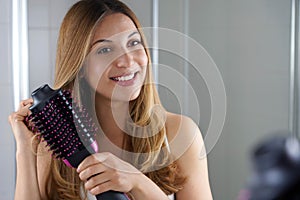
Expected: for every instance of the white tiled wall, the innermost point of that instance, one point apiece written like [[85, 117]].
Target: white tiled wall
[[249, 41], [38, 14], [38, 36], [7, 146], [7, 155], [5, 52], [44, 19], [40, 69], [57, 10], [4, 11]]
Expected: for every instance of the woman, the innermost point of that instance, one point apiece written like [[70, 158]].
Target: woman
[[144, 151]]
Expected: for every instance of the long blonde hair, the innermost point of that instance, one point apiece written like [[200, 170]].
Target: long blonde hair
[[74, 41]]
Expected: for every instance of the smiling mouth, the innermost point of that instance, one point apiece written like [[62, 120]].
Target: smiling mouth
[[127, 77]]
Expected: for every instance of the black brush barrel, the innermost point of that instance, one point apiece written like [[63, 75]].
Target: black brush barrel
[[42, 97], [112, 195], [76, 159]]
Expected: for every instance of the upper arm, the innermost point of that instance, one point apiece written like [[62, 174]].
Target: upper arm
[[43, 168], [188, 146]]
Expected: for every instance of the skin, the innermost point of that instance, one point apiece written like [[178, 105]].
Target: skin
[[107, 170]]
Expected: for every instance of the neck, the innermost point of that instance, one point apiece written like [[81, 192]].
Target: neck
[[112, 116]]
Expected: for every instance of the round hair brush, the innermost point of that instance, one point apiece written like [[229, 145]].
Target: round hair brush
[[67, 129]]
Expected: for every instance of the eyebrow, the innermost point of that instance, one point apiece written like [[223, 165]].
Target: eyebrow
[[105, 40], [135, 32]]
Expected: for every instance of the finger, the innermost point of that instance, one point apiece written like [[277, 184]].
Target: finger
[[97, 180], [25, 102], [88, 161], [104, 187], [24, 111], [14, 117], [92, 160], [20, 115], [91, 171]]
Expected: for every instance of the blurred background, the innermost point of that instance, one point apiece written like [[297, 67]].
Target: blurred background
[[249, 41]]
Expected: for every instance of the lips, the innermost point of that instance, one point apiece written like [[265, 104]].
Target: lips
[[126, 77]]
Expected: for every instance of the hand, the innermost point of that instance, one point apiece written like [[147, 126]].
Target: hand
[[102, 172], [16, 119]]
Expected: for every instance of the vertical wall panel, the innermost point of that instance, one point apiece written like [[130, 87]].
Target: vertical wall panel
[[142, 10], [57, 11], [5, 11], [38, 34], [5, 53], [38, 15], [7, 147], [39, 72], [249, 41]]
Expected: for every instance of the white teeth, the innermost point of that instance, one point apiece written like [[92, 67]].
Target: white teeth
[[125, 78]]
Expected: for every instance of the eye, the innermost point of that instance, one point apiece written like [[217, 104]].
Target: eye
[[104, 50], [134, 43]]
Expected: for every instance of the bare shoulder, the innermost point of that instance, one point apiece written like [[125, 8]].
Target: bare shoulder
[[180, 127], [187, 147], [185, 137]]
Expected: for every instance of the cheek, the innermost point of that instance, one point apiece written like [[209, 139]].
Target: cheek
[[143, 58], [94, 74]]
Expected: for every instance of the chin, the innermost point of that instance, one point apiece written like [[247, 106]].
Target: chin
[[120, 96], [135, 95], [126, 97]]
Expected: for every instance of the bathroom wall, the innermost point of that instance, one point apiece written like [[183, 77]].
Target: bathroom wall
[[6, 104], [249, 42], [44, 19]]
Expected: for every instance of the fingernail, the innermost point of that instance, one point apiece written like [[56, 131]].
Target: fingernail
[[78, 169]]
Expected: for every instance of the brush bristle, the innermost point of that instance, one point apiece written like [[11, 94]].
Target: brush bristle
[[66, 129]]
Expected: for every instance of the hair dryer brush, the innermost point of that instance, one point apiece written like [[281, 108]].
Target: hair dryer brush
[[67, 129], [275, 172]]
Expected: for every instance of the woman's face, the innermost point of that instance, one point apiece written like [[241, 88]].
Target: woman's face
[[116, 65]]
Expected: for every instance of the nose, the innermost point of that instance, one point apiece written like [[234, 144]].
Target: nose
[[125, 59]]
